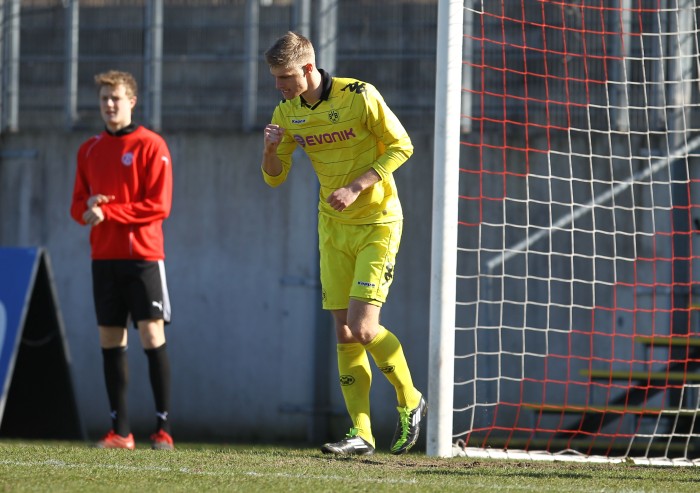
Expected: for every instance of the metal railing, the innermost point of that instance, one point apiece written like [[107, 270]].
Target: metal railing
[[199, 64]]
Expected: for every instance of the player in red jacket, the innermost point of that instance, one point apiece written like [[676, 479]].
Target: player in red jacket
[[123, 191]]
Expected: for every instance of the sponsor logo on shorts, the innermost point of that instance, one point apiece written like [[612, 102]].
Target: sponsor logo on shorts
[[346, 380], [366, 284], [158, 304]]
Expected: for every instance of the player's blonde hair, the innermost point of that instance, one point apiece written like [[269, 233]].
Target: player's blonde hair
[[113, 78], [290, 50]]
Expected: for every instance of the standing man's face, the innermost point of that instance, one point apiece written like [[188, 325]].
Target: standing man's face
[[116, 107], [291, 82]]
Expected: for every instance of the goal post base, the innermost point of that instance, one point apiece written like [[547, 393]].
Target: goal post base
[[565, 456]]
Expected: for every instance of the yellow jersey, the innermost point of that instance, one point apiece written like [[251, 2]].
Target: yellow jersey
[[347, 132]]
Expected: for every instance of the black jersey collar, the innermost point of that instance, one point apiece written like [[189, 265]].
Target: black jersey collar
[[326, 83], [123, 131]]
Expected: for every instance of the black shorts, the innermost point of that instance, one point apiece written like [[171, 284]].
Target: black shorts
[[123, 288]]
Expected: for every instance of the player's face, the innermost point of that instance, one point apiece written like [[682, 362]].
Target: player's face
[[116, 107], [290, 81]]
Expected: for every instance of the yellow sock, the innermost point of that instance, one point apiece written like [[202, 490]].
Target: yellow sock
[[386, 350], [355, 381]]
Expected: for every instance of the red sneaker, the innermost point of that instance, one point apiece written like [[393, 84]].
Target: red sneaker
[[112, 440], [161, 440]]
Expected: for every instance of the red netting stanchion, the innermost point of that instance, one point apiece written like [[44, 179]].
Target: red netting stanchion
[[576, 330]]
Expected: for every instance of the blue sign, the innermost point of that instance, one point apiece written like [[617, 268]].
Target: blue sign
[[18, 267]]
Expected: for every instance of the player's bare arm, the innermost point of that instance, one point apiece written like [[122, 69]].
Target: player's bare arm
[[342, 198], [273, 136]]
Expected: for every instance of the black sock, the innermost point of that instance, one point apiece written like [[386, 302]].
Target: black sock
[[116, 370], [159, 371]]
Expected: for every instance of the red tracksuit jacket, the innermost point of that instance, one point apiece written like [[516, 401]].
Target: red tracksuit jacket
[[136, 169]]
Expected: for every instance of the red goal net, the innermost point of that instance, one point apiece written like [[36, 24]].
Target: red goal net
[[576, 328]]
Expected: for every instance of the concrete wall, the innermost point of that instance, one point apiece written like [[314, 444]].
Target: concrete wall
[[249, 346], [241, 266]]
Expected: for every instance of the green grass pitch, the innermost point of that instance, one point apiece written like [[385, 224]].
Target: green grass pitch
[[76, 467]]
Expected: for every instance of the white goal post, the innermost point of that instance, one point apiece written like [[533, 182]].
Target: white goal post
[[448, 89], [566, 201]]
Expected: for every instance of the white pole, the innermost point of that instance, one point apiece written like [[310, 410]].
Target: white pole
[[252, 57], [72, 13], [3, 66], [153, 70], [448, 88], [12, 103]]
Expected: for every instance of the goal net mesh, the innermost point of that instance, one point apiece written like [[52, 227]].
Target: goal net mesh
[[576, 329]]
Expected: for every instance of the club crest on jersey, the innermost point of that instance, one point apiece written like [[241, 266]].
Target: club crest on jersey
[[333, 116], [127, 158]]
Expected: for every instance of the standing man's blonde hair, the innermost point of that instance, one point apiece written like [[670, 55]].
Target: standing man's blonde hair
[[113, 78], [290, 50]]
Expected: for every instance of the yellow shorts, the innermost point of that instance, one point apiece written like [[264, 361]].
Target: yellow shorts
[[357, 261]]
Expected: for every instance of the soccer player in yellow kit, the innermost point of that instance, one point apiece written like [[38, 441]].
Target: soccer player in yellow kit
[[355, 143]]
